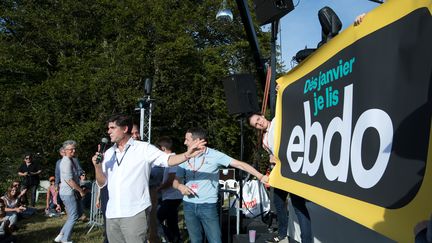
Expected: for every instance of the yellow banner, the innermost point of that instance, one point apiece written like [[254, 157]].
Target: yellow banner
[[353, 122]]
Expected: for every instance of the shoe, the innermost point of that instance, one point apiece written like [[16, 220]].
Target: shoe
[[276, 239], [58, 238], [83, 218]]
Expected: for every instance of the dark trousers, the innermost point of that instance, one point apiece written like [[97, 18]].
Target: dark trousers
[[32, 190], [168, 211], [103, 201], [299, 205], [279, 201]]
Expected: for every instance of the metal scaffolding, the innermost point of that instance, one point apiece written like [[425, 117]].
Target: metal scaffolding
[[145, 107]]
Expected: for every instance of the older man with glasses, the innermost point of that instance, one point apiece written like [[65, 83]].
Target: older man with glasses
[[29, 172]]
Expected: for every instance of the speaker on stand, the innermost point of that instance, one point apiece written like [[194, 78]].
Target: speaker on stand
[[241, 99], [241, 94]]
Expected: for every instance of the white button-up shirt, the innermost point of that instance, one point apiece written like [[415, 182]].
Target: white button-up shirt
[[128, 174]]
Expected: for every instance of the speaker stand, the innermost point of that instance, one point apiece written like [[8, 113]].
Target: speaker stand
[[241, 173]]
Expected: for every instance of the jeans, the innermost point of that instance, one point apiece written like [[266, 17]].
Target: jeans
[[299, 205], [13, 218], [199, 216], [74, 211], [279, 200], [168, 211]]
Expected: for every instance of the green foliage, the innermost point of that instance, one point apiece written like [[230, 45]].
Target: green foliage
[[66, 66]]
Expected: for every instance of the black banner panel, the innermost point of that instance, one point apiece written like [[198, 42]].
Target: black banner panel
[[353, 121]]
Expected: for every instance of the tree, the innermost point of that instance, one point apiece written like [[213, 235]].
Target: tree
[[66, 66]]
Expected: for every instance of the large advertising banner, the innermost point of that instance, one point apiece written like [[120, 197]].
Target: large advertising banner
[[353, 122]]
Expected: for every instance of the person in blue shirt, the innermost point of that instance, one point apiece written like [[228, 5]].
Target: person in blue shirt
[[198, 181]]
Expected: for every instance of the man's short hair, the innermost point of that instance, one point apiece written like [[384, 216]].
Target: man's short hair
[[122, 120], [166, 142], [198, 132], [68, 142]]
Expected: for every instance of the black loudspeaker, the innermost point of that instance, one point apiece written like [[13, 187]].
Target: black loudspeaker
[[241, 94], [268, 11]]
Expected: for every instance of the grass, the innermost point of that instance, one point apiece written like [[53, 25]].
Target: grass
[[40, 228]]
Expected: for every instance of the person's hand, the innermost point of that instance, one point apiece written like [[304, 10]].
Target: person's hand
[[185, 190], [20, 209], [82, 192], [95, 156], [58, 208], [264, 179], [359, 19], [196, 148], [272, 159], [98, 205]]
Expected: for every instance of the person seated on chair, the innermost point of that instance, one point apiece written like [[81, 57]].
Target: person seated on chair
[[52, 206]]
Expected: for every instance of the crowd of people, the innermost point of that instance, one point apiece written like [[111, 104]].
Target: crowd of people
[[135, 211], [145, 185], [140, 187], [19, 201]]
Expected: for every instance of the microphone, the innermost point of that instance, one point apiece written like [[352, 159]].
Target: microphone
[[102, 148]]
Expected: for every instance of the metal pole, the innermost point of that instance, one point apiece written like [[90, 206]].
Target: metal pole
[[149, 118], [274, 31], [142, 111], [252, 38], [239, 218]]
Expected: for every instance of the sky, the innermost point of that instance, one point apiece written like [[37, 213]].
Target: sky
[[301, 27]]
